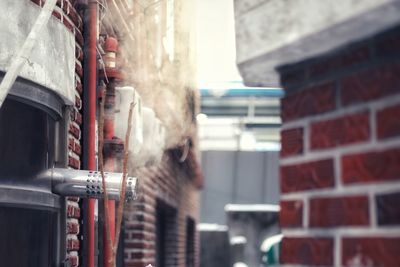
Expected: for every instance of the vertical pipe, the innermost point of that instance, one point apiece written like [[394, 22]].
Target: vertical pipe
[[91, 135], [109, 165]]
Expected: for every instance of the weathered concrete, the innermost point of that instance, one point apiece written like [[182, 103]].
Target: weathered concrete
[[52, 63], [270, 33]]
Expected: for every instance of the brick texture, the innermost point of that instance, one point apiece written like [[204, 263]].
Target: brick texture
[[371, 84], [72, 244], [388, 45], [371, 167], [292, 142], [374, 251], [388, 122], [309, 101], [340, 167], [344, 130], [168, 191], [352, 57], [306, 176], [388, 208], [339, 211], [307, 251], [291, 214]]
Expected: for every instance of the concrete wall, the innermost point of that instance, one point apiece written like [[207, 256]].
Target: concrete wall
[[52, 63], [237, 177]]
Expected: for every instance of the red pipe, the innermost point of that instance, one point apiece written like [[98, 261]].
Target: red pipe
[[92, 84], [109, 165]]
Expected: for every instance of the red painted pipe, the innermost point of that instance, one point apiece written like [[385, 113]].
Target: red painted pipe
[[91, 104], [109, 165]]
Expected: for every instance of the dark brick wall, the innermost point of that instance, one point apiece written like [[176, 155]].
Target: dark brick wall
[[340, 158], [171, 185], [307, 251]]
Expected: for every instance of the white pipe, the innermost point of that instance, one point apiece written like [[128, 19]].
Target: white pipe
[[26, 49]]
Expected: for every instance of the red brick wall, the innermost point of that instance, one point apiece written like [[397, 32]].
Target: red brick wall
[[340, 158], [170, 184]]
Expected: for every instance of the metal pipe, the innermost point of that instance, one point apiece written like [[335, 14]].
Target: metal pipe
[[87, 184], [91, 134], [110, 163]]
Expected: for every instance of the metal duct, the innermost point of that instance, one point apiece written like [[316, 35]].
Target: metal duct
[[85, 184]]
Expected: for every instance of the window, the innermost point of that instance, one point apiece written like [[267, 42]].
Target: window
[[165, 235]]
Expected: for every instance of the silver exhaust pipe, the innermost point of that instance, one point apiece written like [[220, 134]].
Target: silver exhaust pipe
[[85, 184]]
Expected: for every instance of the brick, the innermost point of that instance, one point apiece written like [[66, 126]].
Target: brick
[[371, 251], [388, 210], [74, 16], [307, 102], [291, 213], [77, 149], [306, 176], [78, 53], [78, 118], [307, 251], [139, 245], [71, 143], [69, 24], [79, 88], [388, 45], [370, 167], [73, 260], [75, 131], [57, 15], [74, 163], [79, 37], [388, 122], [78, 102], [73, 244], [339, 211], [292, 142], [78, 69], [353, 128], [348, 58], [72, 228], [371, 84], [73, 212]]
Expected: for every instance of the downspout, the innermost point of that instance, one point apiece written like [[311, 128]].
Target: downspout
[[24, 53], [90, 126]]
